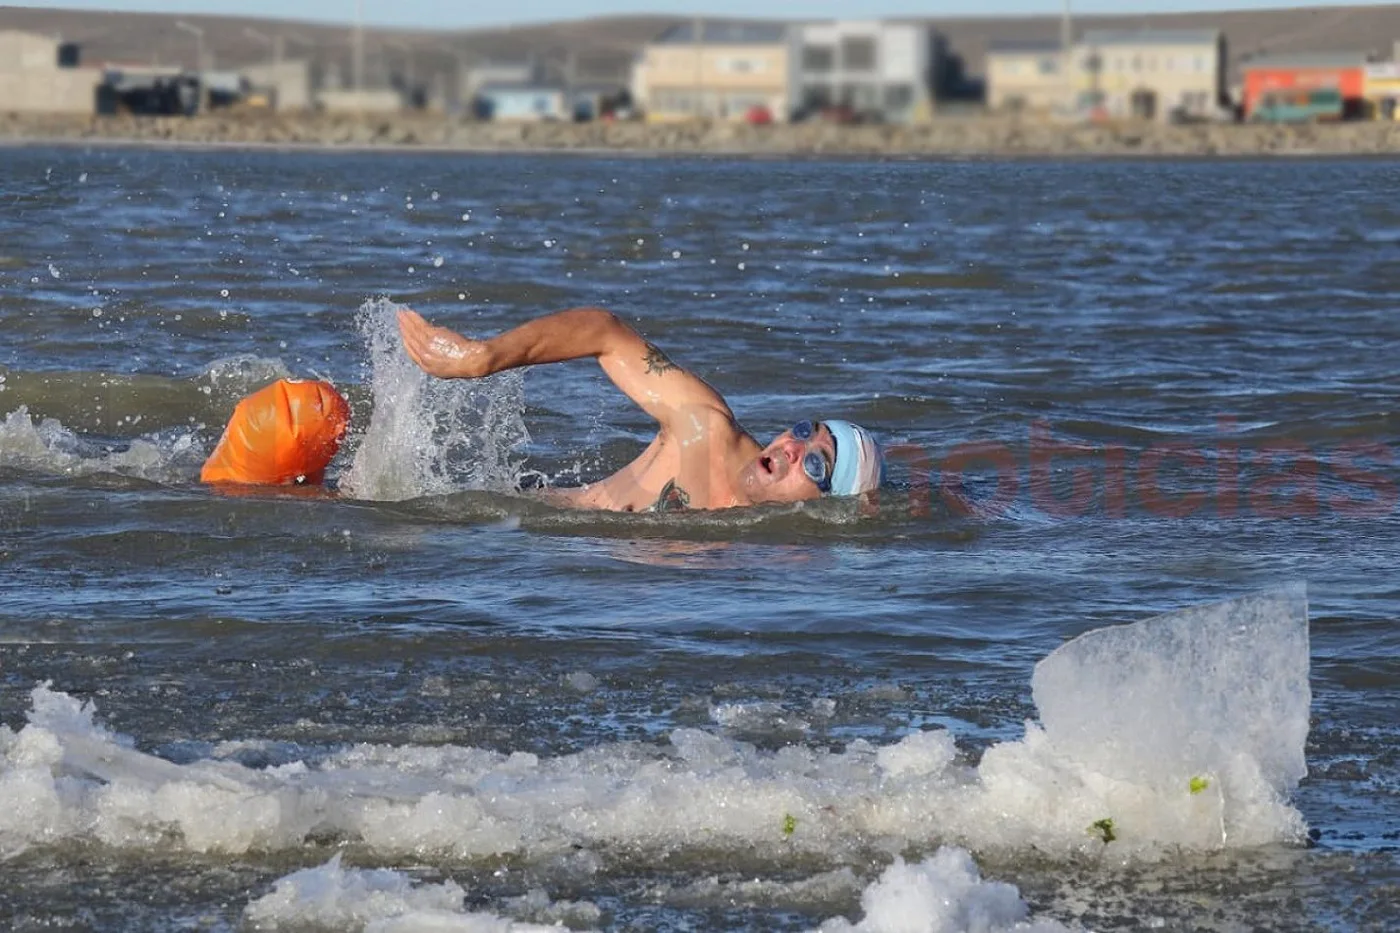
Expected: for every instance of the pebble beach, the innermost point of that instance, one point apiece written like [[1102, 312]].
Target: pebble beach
[[958, 137]]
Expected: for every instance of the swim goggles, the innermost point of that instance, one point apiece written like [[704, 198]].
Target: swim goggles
[[814, 464]]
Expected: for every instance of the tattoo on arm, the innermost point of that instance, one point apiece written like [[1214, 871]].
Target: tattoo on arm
[[672, 499], [657, 362]]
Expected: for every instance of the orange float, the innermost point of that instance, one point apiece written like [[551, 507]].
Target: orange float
[[285, 433]]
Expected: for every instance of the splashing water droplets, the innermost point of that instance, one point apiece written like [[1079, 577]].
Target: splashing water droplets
[[429, 436]]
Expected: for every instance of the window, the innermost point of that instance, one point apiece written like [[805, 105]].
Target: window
[[674, 102], [899, 97], [1049, 66], [859, 96], [742, 66], [819, 58], [815, 97], [858, 53]]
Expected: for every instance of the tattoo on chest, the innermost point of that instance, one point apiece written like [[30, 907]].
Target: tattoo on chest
[[672, 499], [657, 362]]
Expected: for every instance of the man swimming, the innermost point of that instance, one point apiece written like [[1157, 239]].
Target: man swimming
[[700, 458]]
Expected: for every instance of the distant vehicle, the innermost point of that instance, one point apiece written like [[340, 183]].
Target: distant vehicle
[[758, 115]]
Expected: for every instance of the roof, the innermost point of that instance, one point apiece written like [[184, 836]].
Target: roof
[[1024, 46], [1151, 37], [1308, 60], [503, 64], [28, 34], [505, 87], [725, 32], [597, 87]]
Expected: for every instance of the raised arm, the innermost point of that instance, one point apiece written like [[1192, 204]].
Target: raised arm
[[662, 389]]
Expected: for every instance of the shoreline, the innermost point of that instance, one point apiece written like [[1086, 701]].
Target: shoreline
[[961, 138]]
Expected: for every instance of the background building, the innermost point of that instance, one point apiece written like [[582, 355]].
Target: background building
[[1152, 74], [1382, 90], [714, 69], [285, 84], [521, 102], [1027, 77], [1288, 88], [39, 74], [881, 69]]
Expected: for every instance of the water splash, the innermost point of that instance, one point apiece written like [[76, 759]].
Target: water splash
[[429, 436], [44, 445]]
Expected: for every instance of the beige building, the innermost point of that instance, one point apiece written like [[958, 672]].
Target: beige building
[[1027, 77], [285, 83], [1151, 74], [716, 70], [1382, 90], [39, 75]]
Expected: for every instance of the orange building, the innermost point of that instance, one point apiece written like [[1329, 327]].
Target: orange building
[[1270, 79]]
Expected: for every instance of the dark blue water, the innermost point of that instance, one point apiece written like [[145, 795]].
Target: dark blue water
[[1109, 390]]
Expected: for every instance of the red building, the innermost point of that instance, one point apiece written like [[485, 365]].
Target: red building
[[1288, 82]]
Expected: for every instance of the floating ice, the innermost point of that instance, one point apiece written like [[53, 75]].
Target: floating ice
[[1213, 699], [942, 894], [1186, 730], [431, 436], [380, 900]]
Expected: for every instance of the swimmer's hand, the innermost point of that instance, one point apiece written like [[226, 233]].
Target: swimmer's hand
[[441, 352]]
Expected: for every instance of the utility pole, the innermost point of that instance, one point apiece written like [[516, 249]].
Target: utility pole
[[1067, 51], [699, 27], [274, 43], [198, 42], [357, 60]]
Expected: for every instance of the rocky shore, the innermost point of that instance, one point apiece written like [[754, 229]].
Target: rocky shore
[[949, 137]]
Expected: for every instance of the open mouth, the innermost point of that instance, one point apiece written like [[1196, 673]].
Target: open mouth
[[765, 462]]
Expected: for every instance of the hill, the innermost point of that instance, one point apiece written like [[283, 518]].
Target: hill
[[604, 47]]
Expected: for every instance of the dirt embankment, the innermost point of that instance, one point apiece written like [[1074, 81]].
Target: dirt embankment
[[958, 137]]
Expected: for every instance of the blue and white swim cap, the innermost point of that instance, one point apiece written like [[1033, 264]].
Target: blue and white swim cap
[[860, 466]]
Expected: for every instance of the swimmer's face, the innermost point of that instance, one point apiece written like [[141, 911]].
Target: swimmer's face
[[792, 467]]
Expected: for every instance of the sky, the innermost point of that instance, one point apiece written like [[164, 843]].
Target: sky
[[464, 14]]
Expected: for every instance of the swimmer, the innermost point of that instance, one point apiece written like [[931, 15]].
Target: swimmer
[[700, 457]]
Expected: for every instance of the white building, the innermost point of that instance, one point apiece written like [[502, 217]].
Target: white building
[[885, 68], [36, 76]]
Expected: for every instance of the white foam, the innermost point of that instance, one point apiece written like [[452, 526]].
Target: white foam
[[1058, 789], [376, 900], [46, 446], [942, 894], [431, 436]]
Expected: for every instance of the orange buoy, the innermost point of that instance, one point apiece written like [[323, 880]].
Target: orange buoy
[[284, 433]]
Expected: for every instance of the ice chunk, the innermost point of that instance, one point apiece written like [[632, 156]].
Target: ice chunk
[[1177, 702], [942, 894], [377, 900]]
